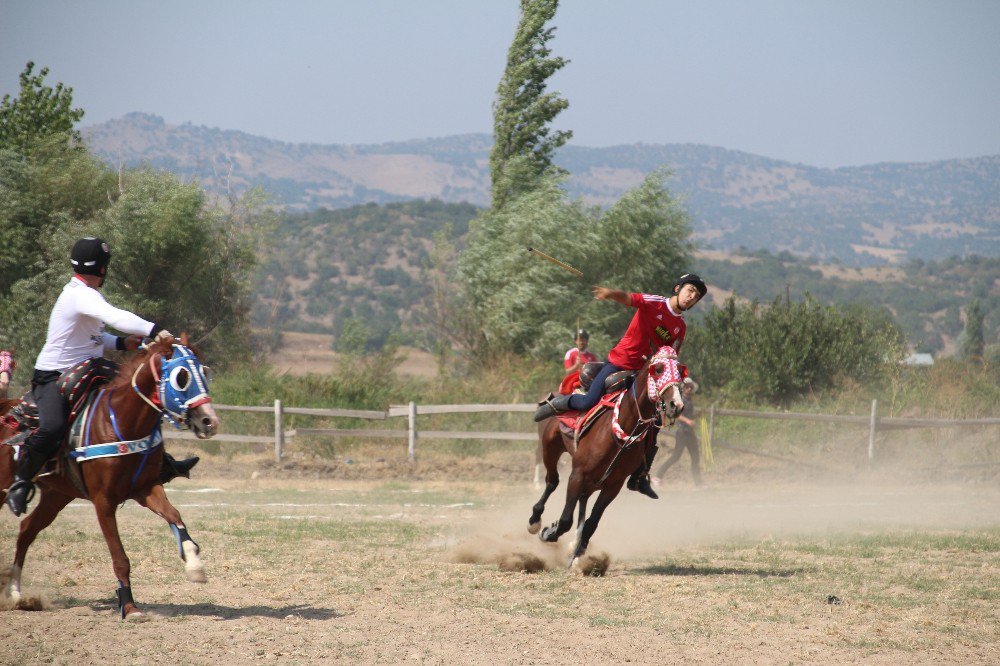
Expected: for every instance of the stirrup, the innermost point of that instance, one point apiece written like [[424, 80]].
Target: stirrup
[[21, 505], [552, 405]]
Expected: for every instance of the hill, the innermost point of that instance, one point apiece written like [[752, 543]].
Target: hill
[[372, 263], [868, 215]]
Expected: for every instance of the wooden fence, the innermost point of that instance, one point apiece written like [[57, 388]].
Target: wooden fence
[[411, 411]]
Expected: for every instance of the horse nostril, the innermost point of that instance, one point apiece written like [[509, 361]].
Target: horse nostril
[[206, 421]]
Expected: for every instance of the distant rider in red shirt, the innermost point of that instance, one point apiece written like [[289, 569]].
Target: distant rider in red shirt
[[574, 361], [658, 322]]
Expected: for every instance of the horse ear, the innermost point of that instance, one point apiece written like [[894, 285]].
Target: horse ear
[[184, 338]]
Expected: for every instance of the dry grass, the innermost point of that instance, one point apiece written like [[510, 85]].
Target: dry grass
[[319, 570]]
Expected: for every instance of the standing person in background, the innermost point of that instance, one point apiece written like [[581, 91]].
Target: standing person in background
[[685, 436], [574, 360], [7, 366]]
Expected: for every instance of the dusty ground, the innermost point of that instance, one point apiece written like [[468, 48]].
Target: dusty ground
[[389, 571]]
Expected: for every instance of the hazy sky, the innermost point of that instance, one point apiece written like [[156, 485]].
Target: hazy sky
[[827, 83]]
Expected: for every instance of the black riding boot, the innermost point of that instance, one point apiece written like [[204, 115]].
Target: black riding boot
[[171, 468], [20, 493], [639, 481], [552, 405], [22, 490]]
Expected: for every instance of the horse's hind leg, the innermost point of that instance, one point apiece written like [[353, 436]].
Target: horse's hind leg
[[551, 452], [49, 506], [157, 502], [119, 560]]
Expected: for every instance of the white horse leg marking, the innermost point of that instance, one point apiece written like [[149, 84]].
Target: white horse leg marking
[[13, 591], [193, 567]]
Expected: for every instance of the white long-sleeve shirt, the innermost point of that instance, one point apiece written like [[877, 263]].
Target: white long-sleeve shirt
[[76, 327]]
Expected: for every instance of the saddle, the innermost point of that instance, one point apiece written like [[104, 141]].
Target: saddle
[[575, 424], [616, 381], [76, 385]]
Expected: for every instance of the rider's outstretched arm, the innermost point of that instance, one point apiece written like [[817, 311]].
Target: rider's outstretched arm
[[606, 294]]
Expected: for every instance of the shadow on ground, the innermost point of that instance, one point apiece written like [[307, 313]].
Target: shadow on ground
[[692, 570], [227, 612]]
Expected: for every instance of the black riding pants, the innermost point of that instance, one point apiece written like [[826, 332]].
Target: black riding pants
[[52, 413]]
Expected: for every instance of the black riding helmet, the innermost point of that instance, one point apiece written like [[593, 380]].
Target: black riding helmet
[[90, 256], [692, 279]]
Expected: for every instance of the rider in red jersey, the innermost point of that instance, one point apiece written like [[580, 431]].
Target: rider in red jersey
[[658, 322]]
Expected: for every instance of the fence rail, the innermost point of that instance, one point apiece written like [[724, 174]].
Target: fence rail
[[412, 410]]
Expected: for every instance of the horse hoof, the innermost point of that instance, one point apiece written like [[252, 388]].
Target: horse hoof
[[136, 617], [14, 597], [534, 527], [196, 575]]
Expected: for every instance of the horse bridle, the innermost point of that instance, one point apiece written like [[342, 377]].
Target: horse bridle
[[160, 399]]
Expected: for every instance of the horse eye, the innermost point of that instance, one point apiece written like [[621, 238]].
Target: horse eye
[[658, 369], [180, 378]]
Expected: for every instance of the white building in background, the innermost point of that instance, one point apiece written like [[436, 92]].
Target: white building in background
[[918, 359]]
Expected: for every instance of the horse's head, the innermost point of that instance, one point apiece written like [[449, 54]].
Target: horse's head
[[182, 387], [663, 384]]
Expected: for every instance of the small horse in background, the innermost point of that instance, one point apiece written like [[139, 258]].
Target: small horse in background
[[609, 452], [121, 457]]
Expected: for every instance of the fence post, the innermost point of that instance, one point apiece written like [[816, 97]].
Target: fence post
[[279, 432], [412, 433], [711, 424], [872, 425]]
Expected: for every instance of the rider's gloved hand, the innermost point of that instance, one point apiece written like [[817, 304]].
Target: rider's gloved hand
[[158, 333], [132, 342]]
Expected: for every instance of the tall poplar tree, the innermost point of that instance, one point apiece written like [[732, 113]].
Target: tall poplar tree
[[523, 143], [972, 339], [37, 112]]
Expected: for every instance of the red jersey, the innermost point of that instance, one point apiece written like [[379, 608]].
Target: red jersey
[[654, 326], [575, 354]]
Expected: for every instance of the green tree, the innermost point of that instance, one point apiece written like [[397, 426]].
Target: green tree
[[50, 186], [778, 353], [522, 111], [525, 305], [38, 111], [973, 342], [175, 259]]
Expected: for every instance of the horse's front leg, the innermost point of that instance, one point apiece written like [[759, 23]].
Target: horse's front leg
[[49, 506], [119, 560], [606, 496], [550, 452], [156, 501], [552, 533]]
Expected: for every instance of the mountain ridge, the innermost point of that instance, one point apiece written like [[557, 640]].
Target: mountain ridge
[[886, 212]]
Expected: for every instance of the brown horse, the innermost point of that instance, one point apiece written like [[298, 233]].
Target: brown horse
[[609, 452], [163, 380]]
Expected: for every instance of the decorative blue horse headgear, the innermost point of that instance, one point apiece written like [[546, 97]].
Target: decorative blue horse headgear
[[183, 384]]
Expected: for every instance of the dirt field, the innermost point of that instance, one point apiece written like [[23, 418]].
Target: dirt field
[[307, 570]]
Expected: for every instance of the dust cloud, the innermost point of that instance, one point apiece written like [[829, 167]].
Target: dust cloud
[[635, 526]]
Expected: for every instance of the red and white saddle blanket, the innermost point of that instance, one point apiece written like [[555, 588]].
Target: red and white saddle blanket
[[575, 423]]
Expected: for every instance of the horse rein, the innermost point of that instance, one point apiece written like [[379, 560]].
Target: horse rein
[[156, 380]]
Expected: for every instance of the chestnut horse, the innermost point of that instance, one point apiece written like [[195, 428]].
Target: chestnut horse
[[609, 452], [164, 380]]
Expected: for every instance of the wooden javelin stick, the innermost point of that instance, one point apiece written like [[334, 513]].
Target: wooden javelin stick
[[555, 261]]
